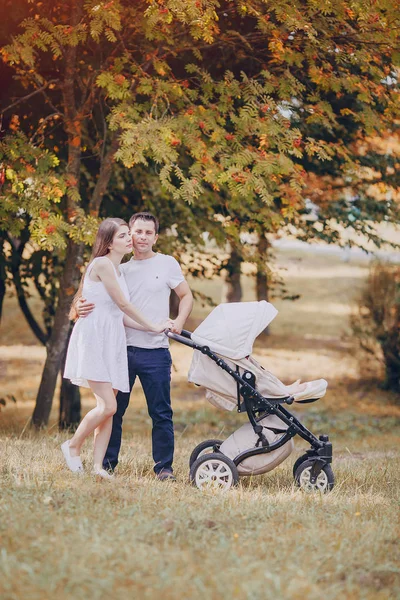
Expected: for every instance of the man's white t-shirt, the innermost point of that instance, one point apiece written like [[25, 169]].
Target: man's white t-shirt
[[150, 282]]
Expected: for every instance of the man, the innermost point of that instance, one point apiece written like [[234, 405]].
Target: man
[[150, 277]]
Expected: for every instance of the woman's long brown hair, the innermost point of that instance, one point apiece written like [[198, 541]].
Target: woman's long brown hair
[[105, 235]]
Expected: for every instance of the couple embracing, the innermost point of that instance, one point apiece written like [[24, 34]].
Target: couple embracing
[[122, 312]]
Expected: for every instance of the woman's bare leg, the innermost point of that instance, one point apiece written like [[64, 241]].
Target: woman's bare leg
[[102, 435], [105, 409]]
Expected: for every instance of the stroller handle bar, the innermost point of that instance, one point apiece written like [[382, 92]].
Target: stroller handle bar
[[185, 337]]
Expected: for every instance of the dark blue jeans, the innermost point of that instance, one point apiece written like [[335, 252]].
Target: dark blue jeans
[[153, 367]]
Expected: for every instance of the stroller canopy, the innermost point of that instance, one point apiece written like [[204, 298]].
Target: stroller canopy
[[230, 329]]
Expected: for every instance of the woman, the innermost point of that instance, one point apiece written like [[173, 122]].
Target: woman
[[97, 356]]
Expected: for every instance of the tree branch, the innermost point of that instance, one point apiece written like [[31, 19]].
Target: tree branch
[[42, 125], [104, 176], [2, 273], [16, 259], [28, 96]]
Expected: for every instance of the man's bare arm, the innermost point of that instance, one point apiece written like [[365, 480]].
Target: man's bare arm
[[185, 306]]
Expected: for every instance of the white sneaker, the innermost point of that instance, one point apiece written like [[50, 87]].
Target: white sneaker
[[103, 473], [74, 463]]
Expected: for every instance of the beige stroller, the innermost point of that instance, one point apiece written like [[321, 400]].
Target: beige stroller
[[222, 363]]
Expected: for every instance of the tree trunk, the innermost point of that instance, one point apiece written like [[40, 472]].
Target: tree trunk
[[2, 294], [392, 362], [2, 275], [392, 378], [74, 118], [58, 340], [70, 406], [262, 287], [70, 400], [57, 343], [232, 289]]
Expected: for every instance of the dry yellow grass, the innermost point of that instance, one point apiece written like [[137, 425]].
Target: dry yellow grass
[[66, 537]]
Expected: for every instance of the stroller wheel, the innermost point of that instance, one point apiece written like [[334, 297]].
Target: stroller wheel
[[214, 471], [299, 462], [325, 480], [202, 448]]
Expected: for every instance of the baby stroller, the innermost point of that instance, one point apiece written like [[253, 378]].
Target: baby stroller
[[222, 363]]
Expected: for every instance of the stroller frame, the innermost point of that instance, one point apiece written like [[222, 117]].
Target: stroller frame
[[257, 407]]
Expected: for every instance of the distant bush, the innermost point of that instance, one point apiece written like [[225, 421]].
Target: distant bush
[[376, 323]]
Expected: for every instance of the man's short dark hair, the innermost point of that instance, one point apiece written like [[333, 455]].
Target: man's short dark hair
[[144, 216]]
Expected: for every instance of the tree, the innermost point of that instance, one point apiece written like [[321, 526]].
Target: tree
[[49, 44], [230, 103], [322, 78]]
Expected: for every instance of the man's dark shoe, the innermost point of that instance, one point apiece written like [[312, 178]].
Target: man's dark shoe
[[165, 476]]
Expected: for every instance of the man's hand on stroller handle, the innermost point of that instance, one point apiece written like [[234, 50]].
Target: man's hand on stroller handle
[[166, 326], [176, 326]]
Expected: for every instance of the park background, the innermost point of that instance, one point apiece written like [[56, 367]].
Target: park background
[[265, 539]]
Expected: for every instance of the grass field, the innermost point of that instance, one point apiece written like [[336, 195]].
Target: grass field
[[67, 537]]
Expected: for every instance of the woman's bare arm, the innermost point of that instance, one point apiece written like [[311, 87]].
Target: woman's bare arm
[[105, 272], [128, 322]]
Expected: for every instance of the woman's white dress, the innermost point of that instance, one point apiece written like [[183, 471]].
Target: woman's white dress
[[97, 348]]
